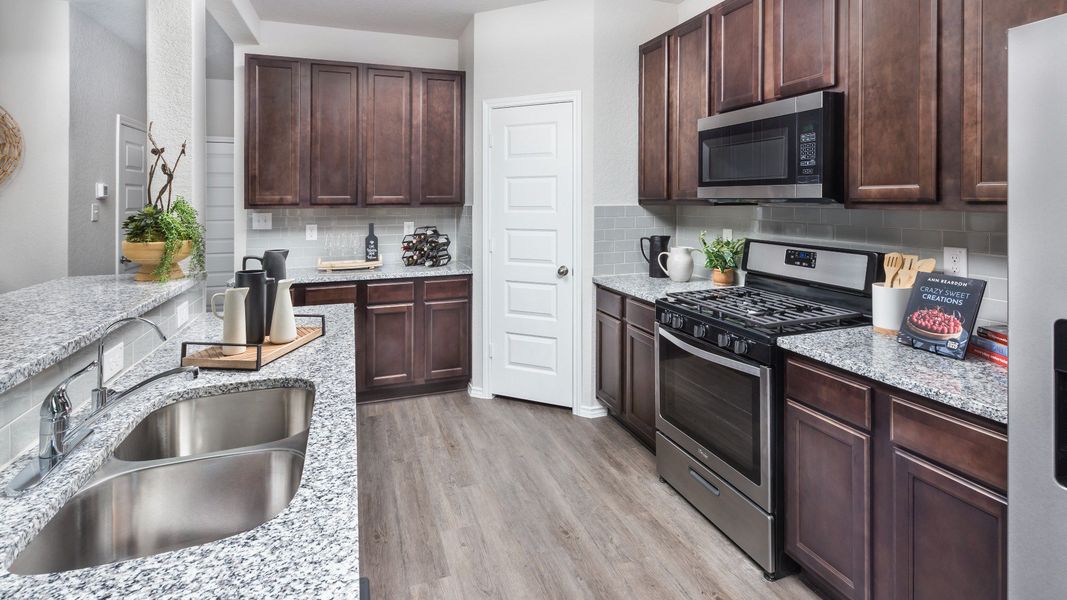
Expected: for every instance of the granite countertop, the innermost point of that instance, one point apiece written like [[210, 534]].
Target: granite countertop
[[42, 324], [973, 385], [647, 288], [310, 550], [313, 275]]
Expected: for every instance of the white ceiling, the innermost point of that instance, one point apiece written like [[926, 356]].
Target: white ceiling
[[431, 18]]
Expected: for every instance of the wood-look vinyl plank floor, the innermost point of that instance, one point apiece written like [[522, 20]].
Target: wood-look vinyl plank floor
[[469, 498]]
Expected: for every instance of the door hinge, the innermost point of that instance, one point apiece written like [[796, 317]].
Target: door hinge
[[490, 351], [492, 246], [490, 140]]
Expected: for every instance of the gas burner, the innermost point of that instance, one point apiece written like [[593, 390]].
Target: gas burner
[[760, 309]]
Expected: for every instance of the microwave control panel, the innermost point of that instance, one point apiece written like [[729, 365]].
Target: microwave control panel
[[800, 258], [809, 125]]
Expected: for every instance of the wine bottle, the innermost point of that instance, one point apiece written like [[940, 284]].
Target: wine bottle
[[371, 245]]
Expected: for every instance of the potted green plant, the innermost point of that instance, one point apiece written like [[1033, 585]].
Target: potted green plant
[[721, 257], [163, 232]]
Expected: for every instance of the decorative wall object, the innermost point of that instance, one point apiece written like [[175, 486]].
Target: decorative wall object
[[10, 145]]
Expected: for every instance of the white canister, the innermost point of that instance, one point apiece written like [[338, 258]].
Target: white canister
[[283, 323], [233, 319], [888, 306], [679, 265]]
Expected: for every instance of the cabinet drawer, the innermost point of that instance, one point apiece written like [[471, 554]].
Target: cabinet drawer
[[330, 294], [640, 315], [609, 302], [968, 448], [842, 398], [385, 293], [447, 289]]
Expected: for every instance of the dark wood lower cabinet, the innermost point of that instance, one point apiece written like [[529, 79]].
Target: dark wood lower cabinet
[[609, 355], [639, 395], [626, 362], [949, 534], [413, 336]]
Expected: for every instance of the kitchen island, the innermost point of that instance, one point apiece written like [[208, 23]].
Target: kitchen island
[[310, 549]]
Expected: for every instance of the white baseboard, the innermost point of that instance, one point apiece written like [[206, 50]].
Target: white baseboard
[[590, 412], [477, 392]]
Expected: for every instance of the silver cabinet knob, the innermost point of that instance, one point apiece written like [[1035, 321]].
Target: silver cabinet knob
[[563, 271]]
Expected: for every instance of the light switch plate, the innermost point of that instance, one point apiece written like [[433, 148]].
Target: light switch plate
[[94, 212], [113, 361], [261, 220], [311, 232], [409, 227], [727, 234], [182, 313], [955, 261]]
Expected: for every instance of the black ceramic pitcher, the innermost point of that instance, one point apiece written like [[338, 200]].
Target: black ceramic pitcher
[[656, 244], [255, 303], [273, 262]]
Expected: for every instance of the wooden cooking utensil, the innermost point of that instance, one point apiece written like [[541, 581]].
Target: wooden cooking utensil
[[926, 265], [909, 262], [906, 279], [893, 262]]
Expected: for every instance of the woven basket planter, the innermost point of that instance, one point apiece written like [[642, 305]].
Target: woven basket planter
[[10, 145]]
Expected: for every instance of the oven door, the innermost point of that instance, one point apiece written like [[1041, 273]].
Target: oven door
[[716, 407], [753, 159]]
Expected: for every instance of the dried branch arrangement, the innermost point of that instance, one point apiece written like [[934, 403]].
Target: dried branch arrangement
[[164, 167]]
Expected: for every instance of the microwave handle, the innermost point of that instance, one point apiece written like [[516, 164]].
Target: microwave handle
[[710, 357]]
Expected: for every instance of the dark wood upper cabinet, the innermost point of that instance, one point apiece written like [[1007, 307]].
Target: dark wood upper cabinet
[[639, 392], [387, 143], [275, 155], [803, 47], [949, 535], [653, 180], [985, 90], [828, 496], [893, 100], [690, 100], [609, 366], [335, 139], [737, 67], [437, 163]]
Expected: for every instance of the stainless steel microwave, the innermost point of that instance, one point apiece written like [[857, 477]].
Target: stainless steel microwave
[[789, 150]]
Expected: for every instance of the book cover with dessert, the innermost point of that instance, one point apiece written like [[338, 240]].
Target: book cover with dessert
[[941, 314]]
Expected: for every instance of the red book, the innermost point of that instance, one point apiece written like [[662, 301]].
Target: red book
[[997, 333], [987, 355]]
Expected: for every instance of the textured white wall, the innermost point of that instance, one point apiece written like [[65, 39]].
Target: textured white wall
[[35, 89], [107, 77]]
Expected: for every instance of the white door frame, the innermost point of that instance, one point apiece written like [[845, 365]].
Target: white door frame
[[573, 98], [121, 120]]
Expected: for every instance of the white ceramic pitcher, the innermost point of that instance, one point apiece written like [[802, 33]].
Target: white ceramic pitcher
[[679, 266], [233, 319], [283, 323]]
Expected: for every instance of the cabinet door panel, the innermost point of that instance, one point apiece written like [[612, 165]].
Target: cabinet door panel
[[949, 535], [893, 75], [828, 483], [652, 119], [985, 90], [437, 163], [609, 361], [390, 344], [275, 158], [387, 125], [738, 54], [805, 45], [335, 127], [639, 404], [447, 343], [690, 83]]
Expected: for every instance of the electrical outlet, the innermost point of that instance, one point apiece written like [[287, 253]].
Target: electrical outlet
[[409, 227], [955, 261], [94, 212], [113, 361], [311, 232], [261, 220], [727, 234], [182, 313]]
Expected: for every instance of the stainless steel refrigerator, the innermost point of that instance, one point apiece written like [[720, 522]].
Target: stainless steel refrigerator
[[1037, 301]]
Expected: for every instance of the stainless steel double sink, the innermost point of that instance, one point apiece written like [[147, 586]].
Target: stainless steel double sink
[[192, 472]]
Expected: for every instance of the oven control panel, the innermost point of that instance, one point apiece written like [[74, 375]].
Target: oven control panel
[[800, 258]]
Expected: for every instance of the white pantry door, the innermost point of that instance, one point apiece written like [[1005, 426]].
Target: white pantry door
[[531, 179], [131, 156]]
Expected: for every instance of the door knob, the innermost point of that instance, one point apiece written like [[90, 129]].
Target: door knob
[[563, 271]]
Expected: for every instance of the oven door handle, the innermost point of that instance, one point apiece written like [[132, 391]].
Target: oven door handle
[[711, 357]]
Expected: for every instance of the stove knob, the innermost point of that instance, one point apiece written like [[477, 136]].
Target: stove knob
[[699, 331], [665, 318], [677, 322], [740, 346], [724, 340]]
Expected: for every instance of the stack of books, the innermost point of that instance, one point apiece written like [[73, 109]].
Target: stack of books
[[991, 343]]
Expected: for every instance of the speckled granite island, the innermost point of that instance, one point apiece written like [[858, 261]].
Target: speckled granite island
[[975, 386], [309, 550], [647, 288]]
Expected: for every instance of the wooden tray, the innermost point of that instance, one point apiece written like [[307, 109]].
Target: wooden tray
[[256, 355], [347, 265]]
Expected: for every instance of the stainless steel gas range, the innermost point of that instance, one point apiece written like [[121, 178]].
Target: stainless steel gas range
[[718, 381]]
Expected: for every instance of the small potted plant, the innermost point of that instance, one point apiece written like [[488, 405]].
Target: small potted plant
[[164, 232], [721, 257]]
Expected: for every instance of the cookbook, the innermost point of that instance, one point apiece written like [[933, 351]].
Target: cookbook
[[941, 314]]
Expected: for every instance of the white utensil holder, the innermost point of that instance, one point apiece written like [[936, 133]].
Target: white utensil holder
[[888, 306]]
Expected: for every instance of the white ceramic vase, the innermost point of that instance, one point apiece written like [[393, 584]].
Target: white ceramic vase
[[233, 319], [283, 323], [679, 265]]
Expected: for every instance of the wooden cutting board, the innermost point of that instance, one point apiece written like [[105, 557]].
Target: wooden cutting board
[[213, 358], [347, 265]]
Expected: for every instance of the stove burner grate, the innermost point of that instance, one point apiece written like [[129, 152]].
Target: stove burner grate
[[760, 309]]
